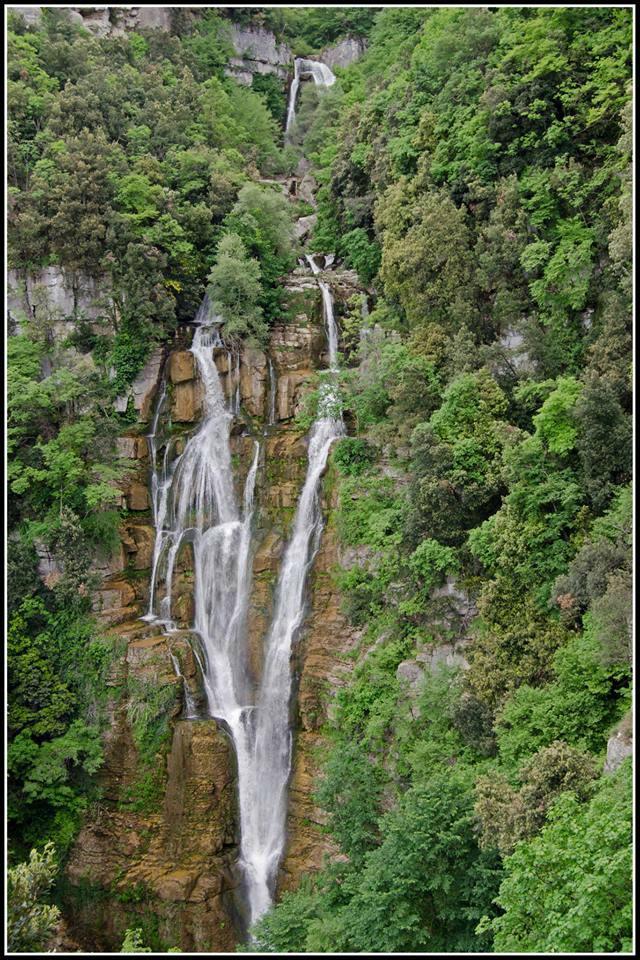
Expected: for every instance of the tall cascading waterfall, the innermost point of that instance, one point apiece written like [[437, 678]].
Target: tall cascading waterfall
[[263, 806], [319, 73], [194, 502]]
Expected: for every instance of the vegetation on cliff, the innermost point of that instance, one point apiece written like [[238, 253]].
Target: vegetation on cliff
[[130, 162], [474, 169]]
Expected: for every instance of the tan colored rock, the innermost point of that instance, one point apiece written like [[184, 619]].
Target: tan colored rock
[[185, 560], [186, 403], [268, 554], [253, 381], [199, 808], [221, 359], [181, 366], [132, 448], [297, 345], [182, 648], [137, 497], [180, 855], [183, 609], [111, 565], [139, 544], [176, 885], [113, 595], [290, 393], [117, 615], [289, 445]]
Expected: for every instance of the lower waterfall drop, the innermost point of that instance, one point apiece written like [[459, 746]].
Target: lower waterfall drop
[[263, 806], [194, 502]]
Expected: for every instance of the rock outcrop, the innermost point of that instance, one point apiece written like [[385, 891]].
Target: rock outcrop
[[343, 53], [56, 298], [257, 51], [107, 21], [162, 842], [145, 386], [619, 745]]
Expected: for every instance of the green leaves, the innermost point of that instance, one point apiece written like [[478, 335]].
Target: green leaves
[[30, 923], [235, 289], [430, 562], [583, 858], [555, 424], [579, 706], [46, 769], [566, 272]]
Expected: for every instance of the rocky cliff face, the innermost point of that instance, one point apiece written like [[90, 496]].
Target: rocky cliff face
[[55, 298], [108, 21], [256, 50], [164, 860], [162, 841]]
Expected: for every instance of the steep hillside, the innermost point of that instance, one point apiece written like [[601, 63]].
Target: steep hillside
[[452, 197]]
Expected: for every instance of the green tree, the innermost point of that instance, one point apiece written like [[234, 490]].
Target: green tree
[[30, 922], [234, 288], [584, 854]]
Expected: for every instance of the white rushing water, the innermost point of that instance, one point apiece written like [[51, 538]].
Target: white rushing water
[[319, 73], [194, 502], [264, 803]]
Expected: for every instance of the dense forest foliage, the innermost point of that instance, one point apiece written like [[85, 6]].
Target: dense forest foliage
[[474, 169]]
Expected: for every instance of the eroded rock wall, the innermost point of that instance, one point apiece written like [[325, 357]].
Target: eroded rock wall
[[159, 850]]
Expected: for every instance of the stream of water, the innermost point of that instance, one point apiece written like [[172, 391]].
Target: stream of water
[[319, 73], [194, 503]]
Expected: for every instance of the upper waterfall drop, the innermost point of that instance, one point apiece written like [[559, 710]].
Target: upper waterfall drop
[[320, 74]]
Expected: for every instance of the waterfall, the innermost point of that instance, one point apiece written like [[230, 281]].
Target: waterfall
[[327, 305], [194, 503], [320, 74], [263, 807], [191, 711]]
